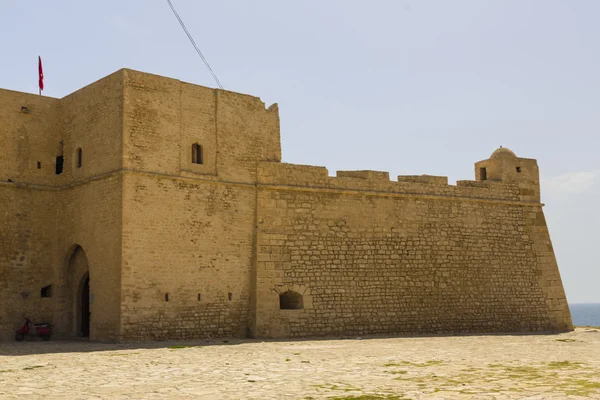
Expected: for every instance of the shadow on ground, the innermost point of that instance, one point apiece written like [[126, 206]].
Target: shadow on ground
[[36, 346]]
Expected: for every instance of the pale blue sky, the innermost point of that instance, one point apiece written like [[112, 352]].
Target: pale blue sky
[[409, 87]]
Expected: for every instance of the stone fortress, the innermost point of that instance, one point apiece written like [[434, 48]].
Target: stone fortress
[[144, 208]]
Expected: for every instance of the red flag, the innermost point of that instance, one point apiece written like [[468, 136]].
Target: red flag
[[41, 73]]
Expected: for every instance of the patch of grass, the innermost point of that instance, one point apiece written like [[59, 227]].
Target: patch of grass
[[119, 354], [344, 388], [566, 340], [429, 363], [179, 346], [6, 370], [564, 364], [287, 359], [397, 372], [371, 397], [582, 387], [523, 369], [466, 391], [33, 367], [296, 354]]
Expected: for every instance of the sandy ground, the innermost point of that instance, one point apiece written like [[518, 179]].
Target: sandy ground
[[565, 366]]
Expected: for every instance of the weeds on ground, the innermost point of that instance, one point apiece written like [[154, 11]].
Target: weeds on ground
[[371, 397], [580, 387], [429, 363], [338, 387], [33, 367], [564, 364]]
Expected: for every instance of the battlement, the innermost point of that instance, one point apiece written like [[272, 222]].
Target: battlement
[[137, 121], [315, 178]]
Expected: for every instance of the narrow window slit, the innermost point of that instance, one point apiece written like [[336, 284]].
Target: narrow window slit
[[197, 156], [60, 160], [79, 157]]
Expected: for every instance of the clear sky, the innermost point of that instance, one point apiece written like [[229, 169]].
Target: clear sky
[[409, 87]]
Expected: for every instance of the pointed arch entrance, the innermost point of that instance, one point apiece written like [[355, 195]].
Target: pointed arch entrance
[[78, 293]]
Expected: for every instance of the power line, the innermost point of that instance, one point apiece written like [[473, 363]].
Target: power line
[[204, 60]]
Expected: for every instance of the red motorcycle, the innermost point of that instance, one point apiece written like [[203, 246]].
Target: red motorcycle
[[42, 330]]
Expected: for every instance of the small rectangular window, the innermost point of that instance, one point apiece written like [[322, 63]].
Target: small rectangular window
[[39, 165], [46, 291], [166, 296], [59, 164], [519, 169], [482, 174]]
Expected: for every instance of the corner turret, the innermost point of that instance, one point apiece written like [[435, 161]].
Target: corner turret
[[504, 166]]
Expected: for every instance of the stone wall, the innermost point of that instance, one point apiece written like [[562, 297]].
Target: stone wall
[[188, 229], [177, 249], [45, 216], [376, 257], [191, 241]]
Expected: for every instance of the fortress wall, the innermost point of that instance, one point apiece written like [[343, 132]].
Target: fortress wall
[[435, 180], [27, 257], [27, 137], [164, 117], [91, 119], [377, 263], [293, 175], [44, 214], [89, 215], [40, 228], [184, 238], [151, 125]]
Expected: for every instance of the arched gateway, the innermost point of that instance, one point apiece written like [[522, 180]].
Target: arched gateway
[[77, 293]]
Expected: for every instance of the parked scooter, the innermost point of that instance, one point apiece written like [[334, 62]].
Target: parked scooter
[[42, 330]]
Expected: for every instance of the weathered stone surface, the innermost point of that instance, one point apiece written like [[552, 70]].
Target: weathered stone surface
[[241, 244]]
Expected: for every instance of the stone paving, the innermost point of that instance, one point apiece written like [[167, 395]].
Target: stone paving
[[565, 366]]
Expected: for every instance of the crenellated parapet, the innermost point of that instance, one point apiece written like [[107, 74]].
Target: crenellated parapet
[[502, 177]]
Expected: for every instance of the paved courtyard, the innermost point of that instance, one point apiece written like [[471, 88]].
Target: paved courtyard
[[461, 367]]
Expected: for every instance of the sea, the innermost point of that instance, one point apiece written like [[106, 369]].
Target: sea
[[585, 314]]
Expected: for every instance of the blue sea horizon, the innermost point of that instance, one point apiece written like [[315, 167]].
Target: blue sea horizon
[[585, 314]]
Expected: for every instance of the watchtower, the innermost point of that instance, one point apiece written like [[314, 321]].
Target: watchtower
[[504, 166]]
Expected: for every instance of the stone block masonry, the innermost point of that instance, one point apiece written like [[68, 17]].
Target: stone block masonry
[[146, 209]]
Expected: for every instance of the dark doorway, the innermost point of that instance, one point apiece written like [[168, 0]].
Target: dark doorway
[[85, 308]]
